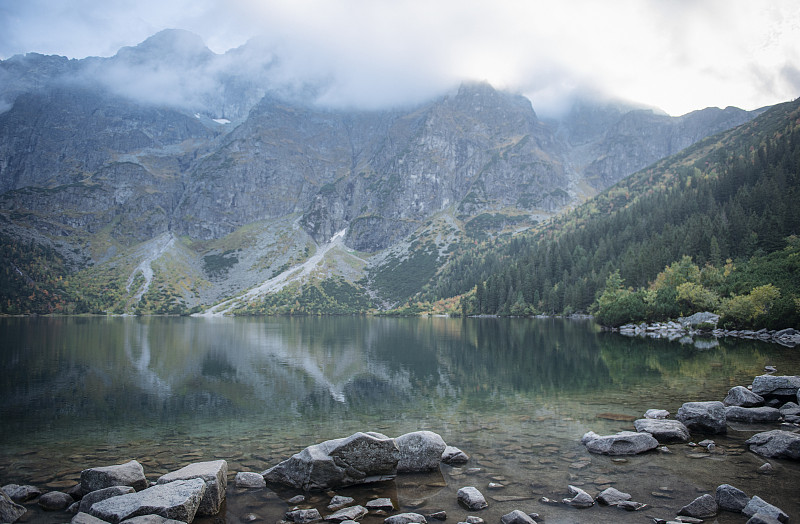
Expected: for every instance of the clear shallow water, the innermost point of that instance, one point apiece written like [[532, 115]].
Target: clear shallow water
[[516, 395]]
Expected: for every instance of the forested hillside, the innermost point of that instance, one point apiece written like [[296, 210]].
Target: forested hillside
[[730, 197]]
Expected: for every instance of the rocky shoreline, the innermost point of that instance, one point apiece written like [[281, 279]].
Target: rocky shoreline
[[122, 493]]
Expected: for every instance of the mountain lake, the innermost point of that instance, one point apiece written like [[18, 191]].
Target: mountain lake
[[516, 395]]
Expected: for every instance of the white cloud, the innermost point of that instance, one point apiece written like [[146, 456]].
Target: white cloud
[[680, 55]]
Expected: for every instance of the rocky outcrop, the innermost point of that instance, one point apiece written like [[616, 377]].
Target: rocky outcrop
[[419, 451], [128, 474], [622, 443], [703, 417], [358, 459], [776, 444], [665, 431], [178, 500], [213, 473]]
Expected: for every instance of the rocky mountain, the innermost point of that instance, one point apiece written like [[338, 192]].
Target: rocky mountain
[[176, 175]]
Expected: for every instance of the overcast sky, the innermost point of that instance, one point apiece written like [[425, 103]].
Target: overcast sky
[[679, 55]]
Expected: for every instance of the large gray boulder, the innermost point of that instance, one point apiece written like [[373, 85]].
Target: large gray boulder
[[177, 500], [128, 474], [741, 396], [752, 415], [214, 473], [357, 459], [20, 494], [10, 511], [776, 385], [776, 444], [664, 431], [419, 451], [704, 318], [703, 507], [470, 497], [703, 417], [759, 505], [730, 498], [102, 494], [622, 443]]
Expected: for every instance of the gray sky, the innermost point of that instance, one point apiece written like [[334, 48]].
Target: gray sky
[[679, 55]]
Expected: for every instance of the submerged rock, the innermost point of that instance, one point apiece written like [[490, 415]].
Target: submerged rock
[[664, 431], [703, 507], [357, 459], [703, 417], [303, 516], [622, 443], [128, 474], [776, 444], [472, 498], [214, 473], [419, 451], [177, 500], [741, 396]]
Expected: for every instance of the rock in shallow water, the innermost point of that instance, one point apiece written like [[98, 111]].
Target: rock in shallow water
[[55, 501], [759, 505], [664, 431], [21, 494], [249, 480], [752, 415], [776, 443], [351, 513], [214, 473], [10, 511], [177, 500], [128, 474], [612, 497], [580, 499], [405, 518], [453, 455], [703, 417], [741, 396], [303, 516], [90, 499], [622, 443], [780, 386], [517, 517], [703, 507], [419, 451], [730, 498], [472, 498]]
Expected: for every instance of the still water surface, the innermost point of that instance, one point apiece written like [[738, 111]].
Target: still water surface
[[516, 395]]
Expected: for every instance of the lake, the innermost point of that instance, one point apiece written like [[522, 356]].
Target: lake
[[514, 394]]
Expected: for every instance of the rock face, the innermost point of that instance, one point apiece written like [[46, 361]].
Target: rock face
[[623, 443], [702, 507], [101, 494], [10, 511], [703, 417], [214, 473], [177, 500], [776, 385], [752, 415], [357, 459], [419, 451], [665, 431], [741, 396], [775, 444], [128, 474], [472, 498], [730, 498]]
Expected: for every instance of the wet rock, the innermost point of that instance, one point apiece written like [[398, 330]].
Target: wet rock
[[55, 501], [128, 474], [10, 511], [656, 413], [766, 469], [452, 455], [405, 518], [688, 520], [664, 431], [495, 485], [73, 508], [439, 515], [338, 502], [250, 480], [516, 517], [357, 459], [475, 520], [351, 513], [381, 503], [303, 516], [630, 505], [297, 499], [622, 443], [703, 507], [419, 451], [790, 408], [703, 417], [90, 499], [612, 497], [759, 505], [85, 518], [214, 473], [472, 498], [580, 499], [760, 518], [752, 415], [741, 396], [776, 385], [776, 444], [177, 500], [730, 498], [151, 519], [21, 494]]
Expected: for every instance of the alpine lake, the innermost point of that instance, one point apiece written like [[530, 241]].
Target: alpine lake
[[516, 395]]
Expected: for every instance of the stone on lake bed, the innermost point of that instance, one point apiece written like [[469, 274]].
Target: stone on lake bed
[[703, 507], [250, 480], [664, 431], [129, 474], [656, 413], [580, 499], [741, 396], [703, 417], [473, 499], [214, 473], [419, 451], [178, 500], [405, 518], [612, 497], [90, 499], [622, 443], [775, 444], [516, 517]]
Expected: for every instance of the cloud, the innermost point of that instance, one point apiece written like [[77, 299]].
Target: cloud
[[680, 55]]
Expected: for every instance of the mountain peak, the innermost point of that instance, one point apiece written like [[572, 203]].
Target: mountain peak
[[177, 44]]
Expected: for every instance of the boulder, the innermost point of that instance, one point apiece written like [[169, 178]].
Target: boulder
[[752, 415], [453, 455], [759, 505], [776, 444], [85, 518], [249, 480], [630, 505], [303, 516], [55, 501], [517, 517], [21, 494], [472, 498], [580, 499], [612, 497], [730, 498], [623, 443], [656, 413], [741, 396], [178, 500], [405, 518], [128, 474], [102, 494], [10, 511], [776, 385], [214, 473], [357, 459], [703, 417], [419, 451], [351, 513], [790, 408], [703, 507], [664, 431], [338, 502], [150, 519], [381, 503]]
